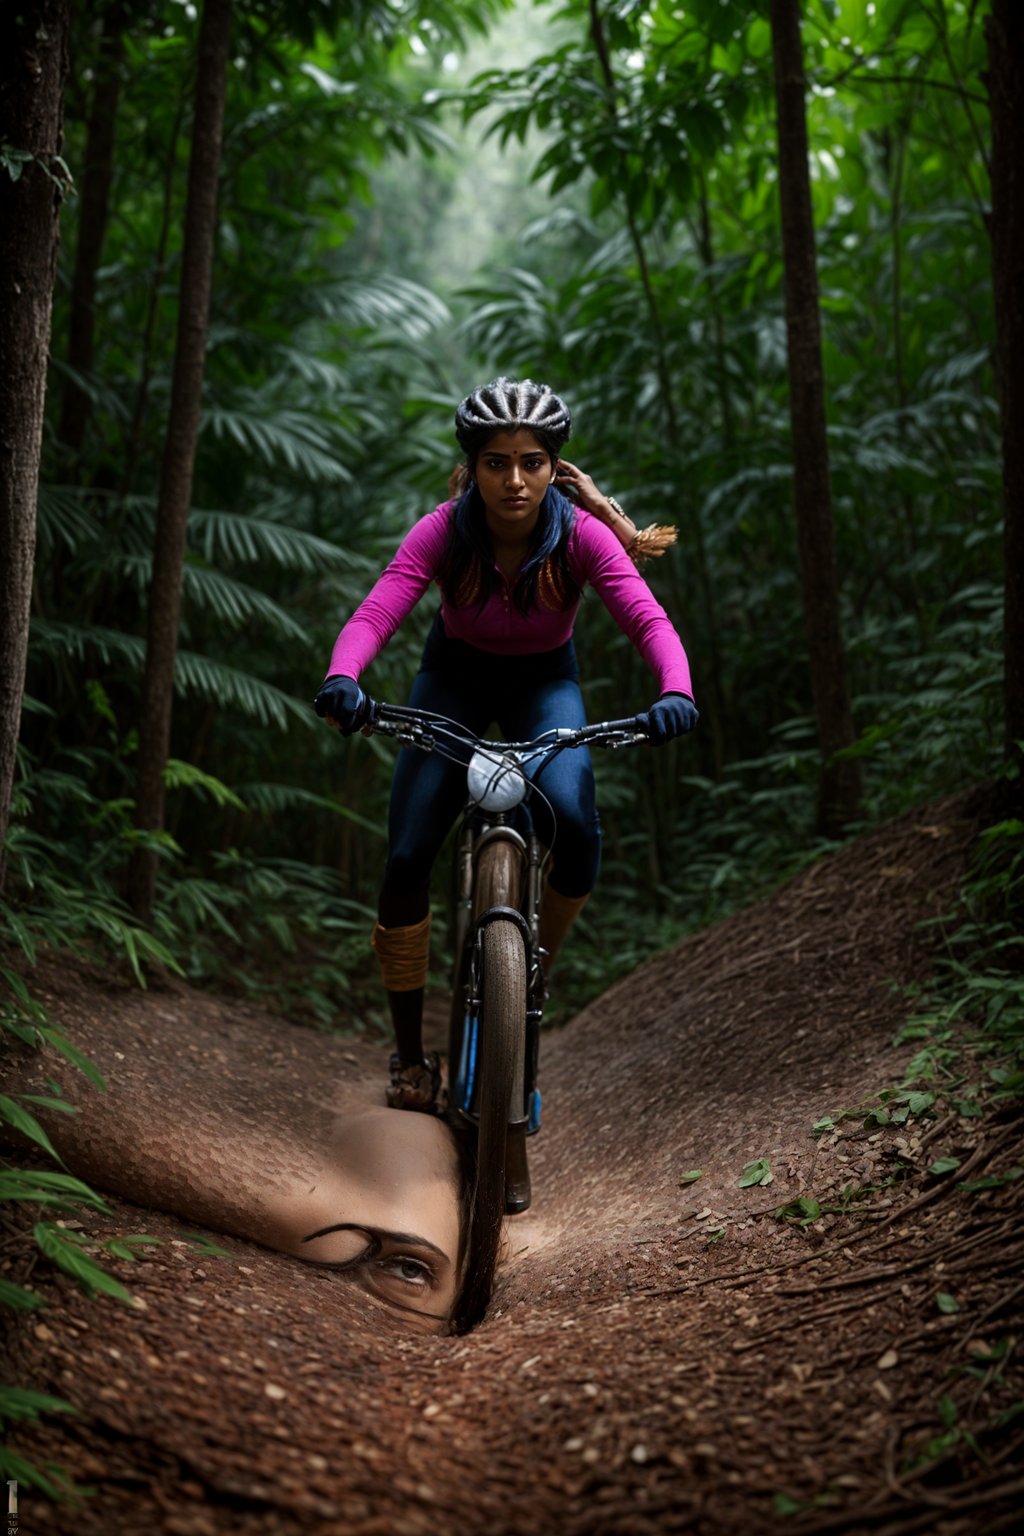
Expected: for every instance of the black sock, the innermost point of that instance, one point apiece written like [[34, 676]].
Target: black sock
[[407, 1018]]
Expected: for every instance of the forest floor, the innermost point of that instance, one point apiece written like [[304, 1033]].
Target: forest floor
[[661, 1355]]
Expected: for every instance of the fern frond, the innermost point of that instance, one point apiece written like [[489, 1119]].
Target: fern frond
[[232, 602], [253, 539], [289, 797], [64, 516], [229, 688], [306, 444], [53, 637]]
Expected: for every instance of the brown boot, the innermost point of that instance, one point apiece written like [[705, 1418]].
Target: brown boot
[[557, 915]]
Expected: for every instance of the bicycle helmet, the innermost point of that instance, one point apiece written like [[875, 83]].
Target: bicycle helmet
[[506, 405]]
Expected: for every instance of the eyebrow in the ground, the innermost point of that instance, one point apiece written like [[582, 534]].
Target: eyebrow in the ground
[[408, 1238]]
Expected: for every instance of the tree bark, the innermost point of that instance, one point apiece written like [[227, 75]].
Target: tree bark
[[95, 180], [33, 66], [1005, 34], [839, 786], [180, 443]]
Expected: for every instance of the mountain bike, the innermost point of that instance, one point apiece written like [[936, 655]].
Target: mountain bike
[[498, 984]]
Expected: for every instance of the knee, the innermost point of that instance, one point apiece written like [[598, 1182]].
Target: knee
[[576, 855]]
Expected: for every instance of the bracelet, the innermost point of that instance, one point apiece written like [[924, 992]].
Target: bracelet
[[619, 513]]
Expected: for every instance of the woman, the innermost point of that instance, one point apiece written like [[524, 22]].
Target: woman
[[511, 556]]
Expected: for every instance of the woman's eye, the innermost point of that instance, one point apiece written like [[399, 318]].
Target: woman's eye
[[408, 1271]]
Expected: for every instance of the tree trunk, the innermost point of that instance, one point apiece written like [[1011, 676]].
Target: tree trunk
[[839, 789], [1005, 32], [95, 181], [180, 443], [33, 66]]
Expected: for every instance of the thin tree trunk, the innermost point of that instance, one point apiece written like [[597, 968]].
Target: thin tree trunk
[[95, 181], [1005, 34], [839, 789], [33, 66], [180, 443]]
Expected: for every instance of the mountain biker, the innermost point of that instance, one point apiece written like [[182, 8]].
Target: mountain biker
[[511, 555]]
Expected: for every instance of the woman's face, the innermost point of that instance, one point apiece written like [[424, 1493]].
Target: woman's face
[[513, 471], [386, 1197]]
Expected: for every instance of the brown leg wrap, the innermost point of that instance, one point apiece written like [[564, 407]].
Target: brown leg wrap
[[403, 954], [557, 915]]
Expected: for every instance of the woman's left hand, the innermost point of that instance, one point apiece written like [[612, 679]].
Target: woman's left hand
[[581, 490], [673, 715]]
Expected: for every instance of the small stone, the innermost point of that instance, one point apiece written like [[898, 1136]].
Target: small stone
[[888, 1360], [638, 1454], [273, 1390]]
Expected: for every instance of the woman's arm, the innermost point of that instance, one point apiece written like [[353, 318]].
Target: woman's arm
[[639, 544], [598, 557]]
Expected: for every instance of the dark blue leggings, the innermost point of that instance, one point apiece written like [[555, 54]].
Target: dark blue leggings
[[525, 695]]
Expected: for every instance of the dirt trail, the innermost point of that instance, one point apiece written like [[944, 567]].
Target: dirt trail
[[659, 1357]]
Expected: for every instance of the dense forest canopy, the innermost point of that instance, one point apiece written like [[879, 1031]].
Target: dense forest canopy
[[414, 197]]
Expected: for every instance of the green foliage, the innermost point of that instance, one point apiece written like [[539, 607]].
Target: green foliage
[[642, 273], [969, 1018]]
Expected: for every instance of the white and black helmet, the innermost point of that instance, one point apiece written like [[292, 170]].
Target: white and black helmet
[[506, 405]]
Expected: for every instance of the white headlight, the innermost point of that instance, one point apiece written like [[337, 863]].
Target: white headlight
[[496, 781]]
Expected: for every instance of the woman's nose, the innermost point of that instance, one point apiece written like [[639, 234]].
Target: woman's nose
[[514, 475]]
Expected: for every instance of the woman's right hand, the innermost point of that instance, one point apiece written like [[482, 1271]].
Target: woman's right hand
[[342, 703]]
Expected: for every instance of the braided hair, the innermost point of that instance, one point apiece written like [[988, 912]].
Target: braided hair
[[467, 572]]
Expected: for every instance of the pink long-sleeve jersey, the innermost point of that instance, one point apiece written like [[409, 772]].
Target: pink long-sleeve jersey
[[595, 556]]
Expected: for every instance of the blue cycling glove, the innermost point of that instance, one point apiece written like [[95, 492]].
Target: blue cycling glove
[[672, 716], [342, 702]]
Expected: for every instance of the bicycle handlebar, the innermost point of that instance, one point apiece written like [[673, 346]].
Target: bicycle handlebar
[[416, 728]]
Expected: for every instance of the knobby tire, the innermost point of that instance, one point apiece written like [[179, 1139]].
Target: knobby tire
[[502, 1043]]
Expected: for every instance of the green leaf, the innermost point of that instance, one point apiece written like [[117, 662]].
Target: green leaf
[[50, 1479], [47, 1101], [205, 1245], [63, 1045], [18, 1297], [64, 1249], [992, 1181], [943, 1165], [758, 1172], [12, 1112], [24, 1403], [692, 1176], [946, 1303], [47, 1188]]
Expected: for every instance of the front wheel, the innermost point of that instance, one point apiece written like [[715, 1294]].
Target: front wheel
[[501, 1048]]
